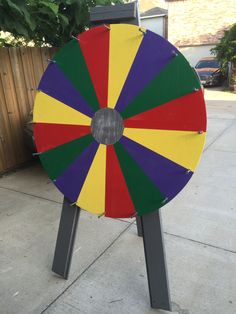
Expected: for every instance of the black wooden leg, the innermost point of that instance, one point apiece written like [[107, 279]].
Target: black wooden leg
[[65, 239], [155, 261], [139, 226]]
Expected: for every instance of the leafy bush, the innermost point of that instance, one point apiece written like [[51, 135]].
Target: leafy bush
[[225, 51], [44, 22]]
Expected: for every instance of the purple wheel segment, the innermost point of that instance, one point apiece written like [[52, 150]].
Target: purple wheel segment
[[153, 55], [168, 176], [55, 84], [72, 179]]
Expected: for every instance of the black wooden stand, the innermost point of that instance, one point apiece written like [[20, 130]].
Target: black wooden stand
[[155, 261], [149, 226], [65, 239]]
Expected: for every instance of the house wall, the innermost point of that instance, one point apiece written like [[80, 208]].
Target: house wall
[[154, 24], [145, 5], [194, 53], [196, 22]]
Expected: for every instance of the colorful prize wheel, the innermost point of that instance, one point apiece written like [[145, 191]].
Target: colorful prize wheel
[[119, 121]]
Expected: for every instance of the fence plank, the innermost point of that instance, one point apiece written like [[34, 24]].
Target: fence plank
[[19, 82], [37, 64], [8, 158], [6, 151], [12, 107], [28, 71], [52, 51], [45, 56], [3, 164], [20, 72]]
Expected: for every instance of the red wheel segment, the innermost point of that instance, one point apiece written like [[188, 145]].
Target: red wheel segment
[[118, 200], [95, 47], [186, 113], [48, 136]]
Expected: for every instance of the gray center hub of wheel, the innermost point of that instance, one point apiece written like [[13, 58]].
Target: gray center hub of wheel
[[107, 126]]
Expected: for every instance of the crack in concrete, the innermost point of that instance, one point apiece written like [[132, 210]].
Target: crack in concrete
[[175, 235], [32, 195], [46, 199], [199, 242], [219, 136]]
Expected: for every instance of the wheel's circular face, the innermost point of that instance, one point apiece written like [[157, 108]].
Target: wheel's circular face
[[107, 126], [119, 121]]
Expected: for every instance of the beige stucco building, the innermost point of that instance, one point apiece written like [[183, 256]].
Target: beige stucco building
[[195, 26]]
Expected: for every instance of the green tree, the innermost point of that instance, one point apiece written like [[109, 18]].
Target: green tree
[[44, 22], [225, 51]]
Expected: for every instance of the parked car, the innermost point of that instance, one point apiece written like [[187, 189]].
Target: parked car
[[202, 87], [209, 71]]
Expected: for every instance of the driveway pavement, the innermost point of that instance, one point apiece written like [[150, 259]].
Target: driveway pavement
[[108, 272]]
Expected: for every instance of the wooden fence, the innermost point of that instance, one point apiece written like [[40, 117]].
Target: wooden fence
[[20, 72]]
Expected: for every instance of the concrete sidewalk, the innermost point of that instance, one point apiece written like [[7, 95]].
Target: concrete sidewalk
[[108, 273]]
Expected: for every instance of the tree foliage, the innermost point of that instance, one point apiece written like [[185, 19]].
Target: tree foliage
[[225, 51], [44, 22]]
